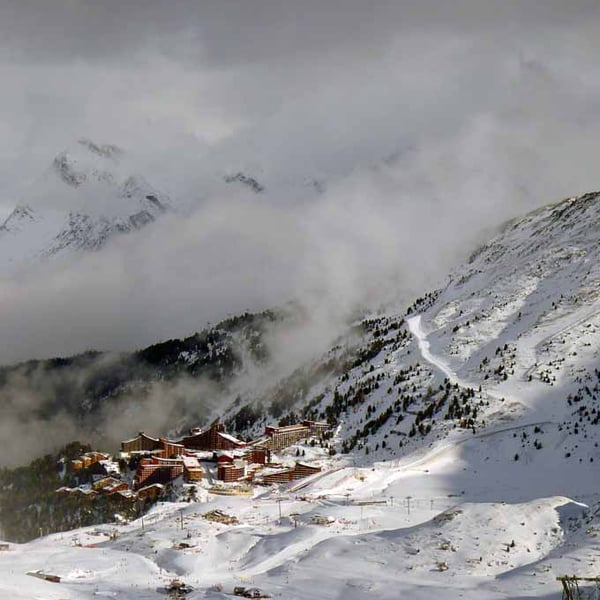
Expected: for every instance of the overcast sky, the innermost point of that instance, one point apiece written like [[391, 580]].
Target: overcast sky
[[428, 123]]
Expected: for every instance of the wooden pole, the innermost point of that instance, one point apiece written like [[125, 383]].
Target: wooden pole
[[570, 584]]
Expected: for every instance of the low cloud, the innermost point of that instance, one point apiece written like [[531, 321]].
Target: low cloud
[[43, 408]]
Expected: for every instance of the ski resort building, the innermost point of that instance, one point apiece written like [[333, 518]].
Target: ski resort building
[[144, 444], [154, 490], [157, 470], [257, 455], [302, 470], [213, 438], [170, 449], [110, 485], [140, 443], [233, 471], [299, 471], [317, 428], [278, 438], [86, 460], [192, 470]]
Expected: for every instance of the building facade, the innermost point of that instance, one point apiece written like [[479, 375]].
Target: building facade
[[213, 438]]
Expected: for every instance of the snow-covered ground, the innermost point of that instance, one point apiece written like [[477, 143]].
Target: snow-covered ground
[[459, 521], [405, 531], [497, 508]]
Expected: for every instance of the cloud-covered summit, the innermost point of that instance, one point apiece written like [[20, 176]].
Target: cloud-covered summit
[[389, 138]]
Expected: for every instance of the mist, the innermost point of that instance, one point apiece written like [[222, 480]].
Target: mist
[[391, 139], [36, 419]]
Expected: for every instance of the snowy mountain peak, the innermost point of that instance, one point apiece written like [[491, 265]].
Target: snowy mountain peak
[[17, 219], [87, 162], [543, 269], [105, 150], [86, 196], [571, 221], [246, 180]]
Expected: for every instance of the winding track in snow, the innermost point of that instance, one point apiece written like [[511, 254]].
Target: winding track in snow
[[416, 328]]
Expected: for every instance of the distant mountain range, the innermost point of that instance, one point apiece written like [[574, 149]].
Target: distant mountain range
[[87, 196], [84, 198]]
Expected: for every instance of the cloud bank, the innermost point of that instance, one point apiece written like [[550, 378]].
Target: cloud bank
[[391, 138]]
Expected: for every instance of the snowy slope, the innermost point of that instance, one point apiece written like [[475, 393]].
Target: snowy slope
[[467, 450], [514, 333], [84, 198]]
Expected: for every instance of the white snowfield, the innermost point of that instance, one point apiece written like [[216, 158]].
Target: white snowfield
[[493, 511]]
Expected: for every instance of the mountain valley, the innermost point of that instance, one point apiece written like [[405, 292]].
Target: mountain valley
[[463, 461]]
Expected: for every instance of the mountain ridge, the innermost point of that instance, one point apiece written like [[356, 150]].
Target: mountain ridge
[[85, 198]]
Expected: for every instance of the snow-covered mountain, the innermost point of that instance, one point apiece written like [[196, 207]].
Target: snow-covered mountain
[[464, 460], [84, 198], [519, 325]]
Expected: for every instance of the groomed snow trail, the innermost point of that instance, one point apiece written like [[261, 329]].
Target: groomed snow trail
[[416, 328]]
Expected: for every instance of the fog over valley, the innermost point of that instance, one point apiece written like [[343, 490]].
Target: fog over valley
[[299, 299], [360, 123]]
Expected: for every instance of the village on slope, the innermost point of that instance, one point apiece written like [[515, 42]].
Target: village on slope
[[148, 468]]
